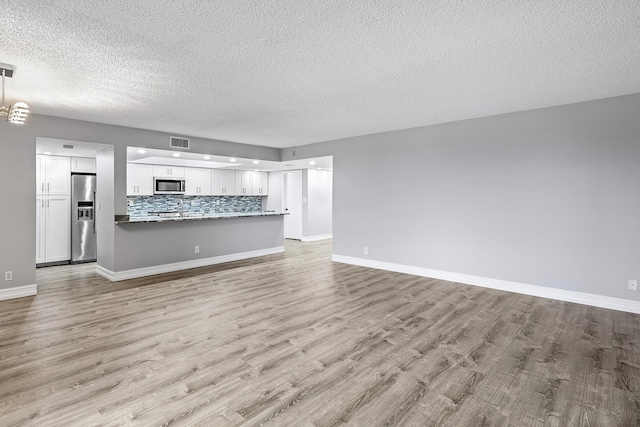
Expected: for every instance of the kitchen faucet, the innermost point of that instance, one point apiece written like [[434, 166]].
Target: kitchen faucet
[[180, 207]]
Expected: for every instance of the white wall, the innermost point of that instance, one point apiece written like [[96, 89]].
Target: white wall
[[319, 212], [549, 197]]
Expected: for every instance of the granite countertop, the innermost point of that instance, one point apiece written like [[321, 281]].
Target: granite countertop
[[194, 217]]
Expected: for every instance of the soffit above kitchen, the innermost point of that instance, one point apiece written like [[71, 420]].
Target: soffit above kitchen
[[287, 73], [211, 161]]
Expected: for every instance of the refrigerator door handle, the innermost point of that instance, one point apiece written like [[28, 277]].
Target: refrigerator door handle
[[94, 212]]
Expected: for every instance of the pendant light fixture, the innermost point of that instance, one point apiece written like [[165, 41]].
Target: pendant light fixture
[[18, 112]]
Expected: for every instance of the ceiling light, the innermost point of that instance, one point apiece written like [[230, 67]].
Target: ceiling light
[[176, 154], [48, 153], [18, 112], [255, 162], [312, 162], [232, 160], [141, 151], [207, 157]]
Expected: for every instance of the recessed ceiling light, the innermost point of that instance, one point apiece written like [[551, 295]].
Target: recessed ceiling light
[[207, 157], [141, 151], [232, 160], [48, 153], [255, 162], [176, 154], [312, 162]]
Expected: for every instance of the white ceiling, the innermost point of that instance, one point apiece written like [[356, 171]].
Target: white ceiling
[[283, 72]]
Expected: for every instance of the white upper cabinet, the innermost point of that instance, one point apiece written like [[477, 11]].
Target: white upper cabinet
[[223, 182], [198, 181], [168, 171], [260, 183], [53, 175], [139, 179], [83, 165], [244, 183]]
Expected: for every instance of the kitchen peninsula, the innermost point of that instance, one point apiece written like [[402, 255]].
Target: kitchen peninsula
[[152, 244]]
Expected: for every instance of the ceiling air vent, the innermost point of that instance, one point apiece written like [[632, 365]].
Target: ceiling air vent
[[176, 142]]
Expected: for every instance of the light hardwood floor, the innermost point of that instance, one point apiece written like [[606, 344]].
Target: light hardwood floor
[[296, 340]]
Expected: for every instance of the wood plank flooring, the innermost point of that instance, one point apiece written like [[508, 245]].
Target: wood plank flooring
[[296, 340]]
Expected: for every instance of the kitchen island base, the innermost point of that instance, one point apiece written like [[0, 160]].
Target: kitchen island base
[[149, 248]]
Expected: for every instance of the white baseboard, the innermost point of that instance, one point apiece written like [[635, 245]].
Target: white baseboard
[[503, 285], [18, 292], [167, 268], [316, 238]]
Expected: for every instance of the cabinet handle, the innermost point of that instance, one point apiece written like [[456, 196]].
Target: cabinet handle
[[47, 203], [47, 187], [42, 188], [43, 203]]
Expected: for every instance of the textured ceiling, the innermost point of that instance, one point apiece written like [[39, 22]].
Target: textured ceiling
[[284, 72]]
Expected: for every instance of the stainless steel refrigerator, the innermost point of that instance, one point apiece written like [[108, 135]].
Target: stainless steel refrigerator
[[83, 222]]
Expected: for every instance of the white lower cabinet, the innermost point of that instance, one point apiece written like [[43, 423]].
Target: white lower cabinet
[[53, 228]]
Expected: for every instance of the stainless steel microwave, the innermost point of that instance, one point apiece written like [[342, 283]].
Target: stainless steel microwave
[[168, 186]]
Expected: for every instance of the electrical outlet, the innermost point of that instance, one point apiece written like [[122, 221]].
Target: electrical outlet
[[8, 276], [633, 285], [197, 249], [366, 250]]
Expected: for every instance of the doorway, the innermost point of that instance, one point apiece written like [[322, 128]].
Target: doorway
[[292, 201]]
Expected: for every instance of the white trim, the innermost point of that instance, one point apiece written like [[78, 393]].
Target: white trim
[[503, 285], [176, 266], [18, 292], [316, 238]]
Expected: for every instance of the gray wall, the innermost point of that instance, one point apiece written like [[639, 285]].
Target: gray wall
[[17, 205], [17, 166], [105, 193], [549, 197]]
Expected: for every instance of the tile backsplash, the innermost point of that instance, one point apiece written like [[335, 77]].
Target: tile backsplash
[[146, 205]]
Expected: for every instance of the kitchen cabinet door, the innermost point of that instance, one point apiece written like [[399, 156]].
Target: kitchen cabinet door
[[83, 165], [168, 171], [40, 174], [244, 183], [41, 212], [57, 175], [223, 182], [260, 183], [228, 181], [57, 228], [197, 181], [204, 182], [131, 179], [144, 180], [139, 179], [191, 181]]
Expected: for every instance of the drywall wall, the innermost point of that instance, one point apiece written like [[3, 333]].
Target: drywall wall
[[17, 205], [318, 193], [155, 244], [548, 197], [17, 166], [105, 193]]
